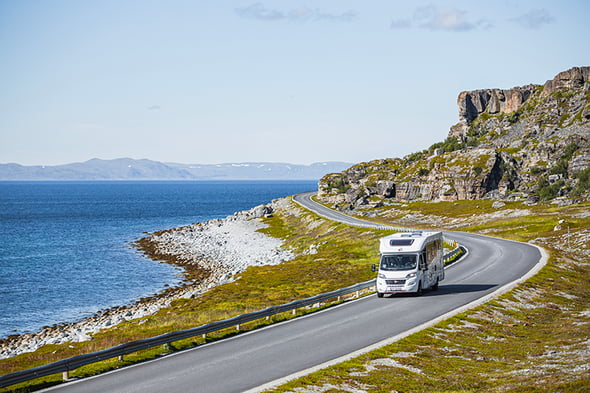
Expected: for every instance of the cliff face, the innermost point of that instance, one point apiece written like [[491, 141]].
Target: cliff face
[[528, 142], [492, 101], [568, 88]]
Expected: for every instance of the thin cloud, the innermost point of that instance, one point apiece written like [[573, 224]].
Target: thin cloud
[[534, 19], [434, 18], [260, 12], [301, 14], [154, 108]]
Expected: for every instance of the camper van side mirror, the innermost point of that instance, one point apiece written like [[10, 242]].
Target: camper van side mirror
[[374, 268]]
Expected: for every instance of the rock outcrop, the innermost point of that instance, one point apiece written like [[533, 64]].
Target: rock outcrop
[[473, 103], [530, 142], [574, 78]]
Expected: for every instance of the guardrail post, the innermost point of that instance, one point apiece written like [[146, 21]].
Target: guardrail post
[[65, 375], [294, 312], [238, 327], [120, 358]]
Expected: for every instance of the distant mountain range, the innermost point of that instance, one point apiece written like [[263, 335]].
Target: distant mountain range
[[130, 169]]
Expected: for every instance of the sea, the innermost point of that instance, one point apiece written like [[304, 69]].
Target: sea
[[66, 247]]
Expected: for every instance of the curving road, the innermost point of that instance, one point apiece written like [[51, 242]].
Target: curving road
[[260, 359]]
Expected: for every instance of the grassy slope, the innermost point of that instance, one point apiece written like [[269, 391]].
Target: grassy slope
[[534, 339]]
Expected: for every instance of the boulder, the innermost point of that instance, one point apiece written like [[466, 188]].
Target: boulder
[[261, 211]]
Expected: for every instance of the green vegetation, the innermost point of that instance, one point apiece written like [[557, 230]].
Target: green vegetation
[[583, 182], [449, 145], [537, 170], [561, 166], [513, 117], [423, 172], [550, 191], [416, 156], [340, 185], [563, 94]]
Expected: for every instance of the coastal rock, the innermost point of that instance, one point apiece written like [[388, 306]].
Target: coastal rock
[[261, 211]]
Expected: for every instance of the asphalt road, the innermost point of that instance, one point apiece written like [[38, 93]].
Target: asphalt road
[[255, 359]]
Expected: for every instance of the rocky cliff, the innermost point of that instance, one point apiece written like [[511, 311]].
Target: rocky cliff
[[530, 142]]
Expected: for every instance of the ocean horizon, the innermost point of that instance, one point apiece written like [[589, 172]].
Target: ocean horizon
[[66, 246]]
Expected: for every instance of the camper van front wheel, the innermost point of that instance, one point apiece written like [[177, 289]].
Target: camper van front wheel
[[435, 286], [419, 291], [379, 294]]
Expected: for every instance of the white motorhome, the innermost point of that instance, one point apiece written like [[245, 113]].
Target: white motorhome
[[410, 262]]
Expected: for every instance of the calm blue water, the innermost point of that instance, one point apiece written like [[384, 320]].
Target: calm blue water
[[64, 246]]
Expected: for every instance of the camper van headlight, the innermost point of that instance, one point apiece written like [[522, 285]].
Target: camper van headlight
[[381, 275], [410, 275]]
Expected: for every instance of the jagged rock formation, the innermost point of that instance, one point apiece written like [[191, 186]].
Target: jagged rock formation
[[530, 142], [473, 103]]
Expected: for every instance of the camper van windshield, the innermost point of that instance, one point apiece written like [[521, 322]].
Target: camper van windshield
[[398, 262]]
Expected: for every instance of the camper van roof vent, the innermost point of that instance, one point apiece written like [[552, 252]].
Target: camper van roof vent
[[414, 233], [401, 242]]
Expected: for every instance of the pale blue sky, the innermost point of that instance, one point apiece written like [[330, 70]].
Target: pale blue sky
[[284, 81]]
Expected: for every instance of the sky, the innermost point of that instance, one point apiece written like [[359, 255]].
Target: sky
[[297, 81]]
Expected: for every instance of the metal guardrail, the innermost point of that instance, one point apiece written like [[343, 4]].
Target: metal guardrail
[[66, 365], [450, 255]]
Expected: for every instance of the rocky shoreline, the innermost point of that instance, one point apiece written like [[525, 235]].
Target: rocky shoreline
[[211, 253]]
